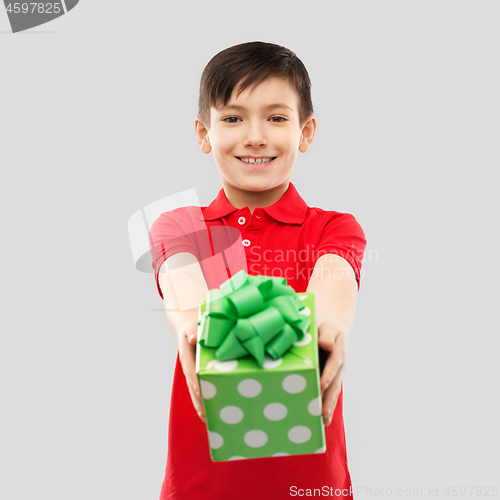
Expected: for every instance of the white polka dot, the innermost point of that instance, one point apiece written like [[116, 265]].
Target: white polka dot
[[308, 362], [306, 311], [275, 411], [302, 297], [314, 407], [208, 390], [237, 457], [321, 450], [305, 340], [270, 363], [294, 384], [223, 366], [299, 434], [215, 440], [249, 388], [255, 438], [281, 454], [231, 414]]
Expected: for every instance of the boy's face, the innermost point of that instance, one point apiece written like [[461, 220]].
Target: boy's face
[[255, 138]]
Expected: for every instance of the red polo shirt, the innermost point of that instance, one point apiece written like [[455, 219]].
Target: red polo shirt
[[284, 239]]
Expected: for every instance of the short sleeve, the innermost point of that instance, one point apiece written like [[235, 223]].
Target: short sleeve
[[171, 233], [343, 236]]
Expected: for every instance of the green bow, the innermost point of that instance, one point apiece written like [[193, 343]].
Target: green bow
[[252, 315]]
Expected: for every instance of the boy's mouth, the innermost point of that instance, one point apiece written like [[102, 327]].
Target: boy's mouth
[[256, 161]]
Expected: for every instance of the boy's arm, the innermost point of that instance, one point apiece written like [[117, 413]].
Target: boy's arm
[[183, 286], [335, 289]]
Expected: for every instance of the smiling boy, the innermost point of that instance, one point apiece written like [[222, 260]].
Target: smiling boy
[[255, 115], [255, 139]]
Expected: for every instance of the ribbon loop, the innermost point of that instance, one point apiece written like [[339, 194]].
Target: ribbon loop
[[247, 301], [252, 315]]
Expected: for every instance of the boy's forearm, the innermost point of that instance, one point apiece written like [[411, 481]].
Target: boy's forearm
[[334, 285], [182, 286]]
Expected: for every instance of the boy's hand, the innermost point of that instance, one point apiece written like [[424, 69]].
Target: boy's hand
[[187, 357], [331, 340]]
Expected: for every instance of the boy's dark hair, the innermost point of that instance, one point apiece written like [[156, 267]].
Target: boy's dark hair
[[252, 63]]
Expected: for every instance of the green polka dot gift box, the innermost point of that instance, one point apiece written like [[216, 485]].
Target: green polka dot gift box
[[257, 364]]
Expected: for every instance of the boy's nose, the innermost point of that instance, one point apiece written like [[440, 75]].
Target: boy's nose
[[255, 137]]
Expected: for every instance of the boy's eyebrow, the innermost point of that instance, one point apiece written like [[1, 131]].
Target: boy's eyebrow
[[270, 106]]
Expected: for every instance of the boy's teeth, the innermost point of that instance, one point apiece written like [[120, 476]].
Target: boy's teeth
[[256, 160]]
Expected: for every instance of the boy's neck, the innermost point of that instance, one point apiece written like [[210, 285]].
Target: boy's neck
[[254, 199]]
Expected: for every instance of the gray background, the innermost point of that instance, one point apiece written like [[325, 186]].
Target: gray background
[[97, 121]]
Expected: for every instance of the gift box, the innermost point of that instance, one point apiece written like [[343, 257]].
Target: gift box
[[258, 369]]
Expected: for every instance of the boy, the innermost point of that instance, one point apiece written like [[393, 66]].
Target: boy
[[255, 114]]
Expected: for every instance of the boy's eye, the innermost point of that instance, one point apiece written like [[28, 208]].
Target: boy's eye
[[278, 119], [231, 119]]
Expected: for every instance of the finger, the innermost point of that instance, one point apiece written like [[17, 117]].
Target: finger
[[330, 398], [327, 333], [190, 331], [198, 405], [333, 363], [326, 342], [187, 357]]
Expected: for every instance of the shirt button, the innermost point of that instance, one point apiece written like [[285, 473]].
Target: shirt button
[[241, 220], [246, 243]]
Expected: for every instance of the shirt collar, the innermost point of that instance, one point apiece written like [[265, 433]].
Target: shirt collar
[[289, 209]]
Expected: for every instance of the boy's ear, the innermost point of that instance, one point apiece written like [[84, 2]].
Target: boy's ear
[[202, 135], [308, 131]]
